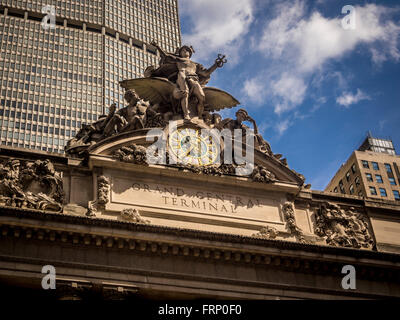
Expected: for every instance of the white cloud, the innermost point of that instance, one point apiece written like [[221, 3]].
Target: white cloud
[[291, 90], [347, 98], [299, 46], [255, 88], [217, 26], [282, 126], [310, 42]]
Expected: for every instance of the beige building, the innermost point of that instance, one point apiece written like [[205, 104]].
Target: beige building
[[113, 226], [372, 171]]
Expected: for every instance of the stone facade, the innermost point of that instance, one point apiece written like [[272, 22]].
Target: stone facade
[[185, 224], [193, 223]]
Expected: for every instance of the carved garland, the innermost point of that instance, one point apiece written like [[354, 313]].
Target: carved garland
[[288, 211], [137, 155], [103, 196], [103, 190]]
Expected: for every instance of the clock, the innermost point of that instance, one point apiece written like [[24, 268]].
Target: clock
[[189, 147]]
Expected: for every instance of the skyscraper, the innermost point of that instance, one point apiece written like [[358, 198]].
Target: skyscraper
[[54, 79], [372, 171]]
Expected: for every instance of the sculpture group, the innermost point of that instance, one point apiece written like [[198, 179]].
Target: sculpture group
[[174, 90]]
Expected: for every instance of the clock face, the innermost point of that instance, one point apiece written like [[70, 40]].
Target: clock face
[[189, 147]]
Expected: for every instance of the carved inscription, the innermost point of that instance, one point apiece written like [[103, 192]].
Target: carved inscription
[[182, 198]]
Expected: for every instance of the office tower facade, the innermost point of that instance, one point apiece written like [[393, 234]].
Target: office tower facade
[[372, 171], [55, 79]]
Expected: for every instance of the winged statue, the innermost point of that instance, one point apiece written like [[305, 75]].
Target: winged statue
[[178, 85]]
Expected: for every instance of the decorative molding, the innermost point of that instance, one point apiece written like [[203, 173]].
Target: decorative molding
[[279, 260], [261, 174], [10, 228], [131, 154], [132, 215], [267, 233], [136, 154], [343, 228]]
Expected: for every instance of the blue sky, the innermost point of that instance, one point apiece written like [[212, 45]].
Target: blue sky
[[314, 88]]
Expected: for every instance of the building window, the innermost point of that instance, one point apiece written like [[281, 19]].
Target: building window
[[357, 181], [378, 178], [383, 192], [351, 189], [373, 191], [335, 190], [369, 177], [396, 194], [360, 194], [348, 176], [353, 168], [388, 167], [365, 164], [392, 181], [341, 187], [375, 165]]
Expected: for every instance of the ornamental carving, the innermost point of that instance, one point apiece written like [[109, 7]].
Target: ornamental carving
[[103, 190], [261, 174], [288, 212], [343, 228], [137, 155], [132, 154], [132, 215], [35, 185], [267, 233], [103, 196]]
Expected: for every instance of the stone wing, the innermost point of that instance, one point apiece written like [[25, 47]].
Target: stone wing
[[154, 90], [217, 99]]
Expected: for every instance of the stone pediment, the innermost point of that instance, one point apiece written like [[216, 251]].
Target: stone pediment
[[125, 147]]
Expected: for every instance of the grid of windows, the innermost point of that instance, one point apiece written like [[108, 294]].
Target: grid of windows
[[144, 20], [52, 81]]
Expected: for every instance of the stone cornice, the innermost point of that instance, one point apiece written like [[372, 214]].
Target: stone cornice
[[242, 244], [186, 277]]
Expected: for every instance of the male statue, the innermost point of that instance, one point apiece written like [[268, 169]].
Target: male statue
[[132, 117], [189, 76]]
